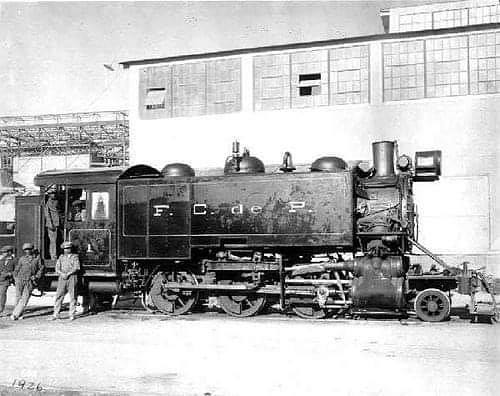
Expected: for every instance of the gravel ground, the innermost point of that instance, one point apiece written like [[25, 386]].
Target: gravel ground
[[132, 352]]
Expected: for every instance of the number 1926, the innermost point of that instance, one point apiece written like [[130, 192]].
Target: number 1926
[[20, 383]]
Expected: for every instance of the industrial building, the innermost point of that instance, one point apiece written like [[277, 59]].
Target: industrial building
[[32, 144], [430, 80]]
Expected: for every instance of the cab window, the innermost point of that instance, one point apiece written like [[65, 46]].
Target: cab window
[[77, 205], [7, 227], [100, 205]]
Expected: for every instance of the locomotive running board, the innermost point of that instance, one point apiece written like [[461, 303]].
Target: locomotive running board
[[184, 286], [258, 289]]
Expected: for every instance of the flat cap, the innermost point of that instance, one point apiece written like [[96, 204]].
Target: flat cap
[[7, 248], [66, 245], [27, 245]]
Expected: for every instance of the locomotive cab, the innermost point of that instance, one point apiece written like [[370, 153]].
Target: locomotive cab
[[77, 205]]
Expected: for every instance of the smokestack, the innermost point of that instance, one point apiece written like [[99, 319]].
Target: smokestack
[[383, 158]]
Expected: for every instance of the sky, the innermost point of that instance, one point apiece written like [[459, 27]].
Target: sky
[[52, 54]]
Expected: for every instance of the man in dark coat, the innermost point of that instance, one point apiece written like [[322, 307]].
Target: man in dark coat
[[27, 272], [7, 265]]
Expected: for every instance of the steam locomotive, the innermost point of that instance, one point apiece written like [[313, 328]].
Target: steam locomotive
[[332, 240]]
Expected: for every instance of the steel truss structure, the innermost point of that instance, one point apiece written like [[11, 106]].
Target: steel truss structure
[[104, 135]]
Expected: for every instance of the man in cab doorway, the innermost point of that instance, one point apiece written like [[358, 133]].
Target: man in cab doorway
[[52, 221]]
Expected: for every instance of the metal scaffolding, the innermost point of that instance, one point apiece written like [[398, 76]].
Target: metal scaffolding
[[102, 134]]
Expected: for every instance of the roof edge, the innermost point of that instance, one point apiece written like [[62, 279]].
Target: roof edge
[[309, 44]]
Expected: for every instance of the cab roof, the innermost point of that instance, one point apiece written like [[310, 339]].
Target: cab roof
[[79, 176], [94, 175]]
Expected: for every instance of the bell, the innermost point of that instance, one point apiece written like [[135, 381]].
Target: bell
[[287, 165]]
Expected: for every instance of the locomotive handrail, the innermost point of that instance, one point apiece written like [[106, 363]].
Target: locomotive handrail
[[430, 254]]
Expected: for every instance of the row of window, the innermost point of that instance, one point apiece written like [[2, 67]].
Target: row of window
[[448, 18], [312, 78], [461, 65], [435, 67], [190, 89]]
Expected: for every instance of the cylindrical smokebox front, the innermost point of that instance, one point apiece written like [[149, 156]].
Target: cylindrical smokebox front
[[383, 158]]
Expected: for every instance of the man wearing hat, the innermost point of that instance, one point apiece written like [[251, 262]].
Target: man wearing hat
[[52, 221], [78, 210], [67, 267], [7, 266], [27, 272]]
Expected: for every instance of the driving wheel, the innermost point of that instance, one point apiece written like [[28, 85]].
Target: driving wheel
[[242, 305], [170, 300]]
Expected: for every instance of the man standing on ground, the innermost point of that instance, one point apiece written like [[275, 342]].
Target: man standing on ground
[[27, 273], [67, 267], [6, 270]]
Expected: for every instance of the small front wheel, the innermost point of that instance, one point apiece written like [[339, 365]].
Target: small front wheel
[[432, 305]]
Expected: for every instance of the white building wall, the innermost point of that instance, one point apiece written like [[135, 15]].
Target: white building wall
[[459, 215]]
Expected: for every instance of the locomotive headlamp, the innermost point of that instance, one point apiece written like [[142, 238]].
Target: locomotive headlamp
[[427, 165], [403, 163]]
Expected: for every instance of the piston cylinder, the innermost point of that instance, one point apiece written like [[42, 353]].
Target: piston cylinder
[[374, 267], [383, 158], [385, 293], [104, 287]]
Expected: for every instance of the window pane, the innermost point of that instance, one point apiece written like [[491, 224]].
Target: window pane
[[309, 78], [223, 86], [403, 70], [484, 59], [77, 204], [271, 82], [349, 75], [100, 206], [446, 67]]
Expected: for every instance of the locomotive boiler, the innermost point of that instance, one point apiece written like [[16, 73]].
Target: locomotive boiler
[[334, 239]]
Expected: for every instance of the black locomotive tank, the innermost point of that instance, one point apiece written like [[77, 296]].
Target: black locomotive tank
[[167, 217]]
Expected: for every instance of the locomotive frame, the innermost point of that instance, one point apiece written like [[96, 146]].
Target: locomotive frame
[[248, 237]]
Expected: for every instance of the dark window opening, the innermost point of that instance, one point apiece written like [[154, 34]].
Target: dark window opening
[[7, 227], [305, 91], [310, 91], [77, 204], [309, 77], [156, 106]]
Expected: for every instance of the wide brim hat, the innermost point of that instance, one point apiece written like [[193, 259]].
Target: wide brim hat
[[66, 245], [28, 245], [6, 248]]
